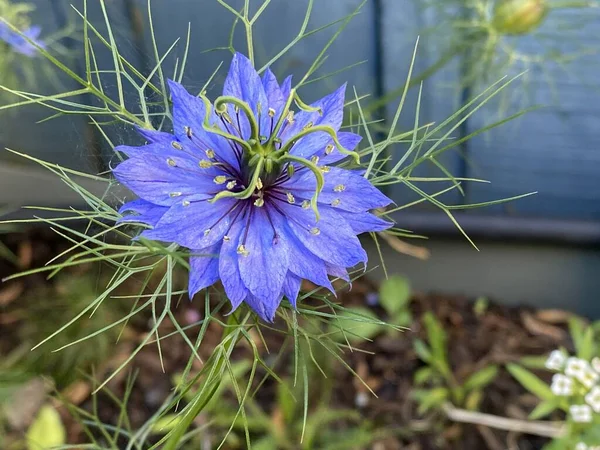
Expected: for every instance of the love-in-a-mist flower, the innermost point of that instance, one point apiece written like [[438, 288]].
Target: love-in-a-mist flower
[[556, 360], [19, 43], [593, 398], [580, 413], [562, 385], [249, 186]]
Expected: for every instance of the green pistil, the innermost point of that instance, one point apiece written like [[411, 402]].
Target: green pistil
[[246, 193], [318, 175]]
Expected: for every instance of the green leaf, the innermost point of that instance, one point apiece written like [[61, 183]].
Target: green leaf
[[165, 424], [473, 400], [46, 431], [534, 362], [530, 382], [437, 340], [402, 319], [394, 294], [429, 399], [286, 402], [543, 409], [423, 375], [481, 378], [577, 330], [422, 350], [481, 305], [358, 324]]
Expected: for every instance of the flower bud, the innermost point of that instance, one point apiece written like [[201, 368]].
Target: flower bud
[[519, 16]]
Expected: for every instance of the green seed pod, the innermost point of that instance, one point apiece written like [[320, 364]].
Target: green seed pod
[[519, 16]]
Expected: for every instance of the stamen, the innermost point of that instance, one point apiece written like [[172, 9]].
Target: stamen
[[325, 169], [340, 188], [329, 149], [259, 184], [305, 204], [314, 159], [231, 184], [226, 238], [315, 231], [290, 117], [175, 194], [210, 153], [242, 250], [308, 126], [336, 202], [176, 145], [207, 232], [188, 132], [171, 162], [259, 202], [220, 179], [290, 198], [271, 112], [204, 164], [290, 170], [185, 203]]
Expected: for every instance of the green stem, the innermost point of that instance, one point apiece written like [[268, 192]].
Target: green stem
[[173, 440], [224, 100]]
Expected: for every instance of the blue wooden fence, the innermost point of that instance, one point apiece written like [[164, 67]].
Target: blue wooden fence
[[554, 151]]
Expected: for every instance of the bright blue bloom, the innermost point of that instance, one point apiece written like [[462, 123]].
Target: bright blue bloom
[[18, 43], [236, 181]]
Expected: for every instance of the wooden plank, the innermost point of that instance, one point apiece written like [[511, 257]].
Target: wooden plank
[[402, 22], [553, 150], [281, 21]]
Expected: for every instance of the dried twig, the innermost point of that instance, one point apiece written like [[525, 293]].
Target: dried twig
[[404, 247], [538, 428]]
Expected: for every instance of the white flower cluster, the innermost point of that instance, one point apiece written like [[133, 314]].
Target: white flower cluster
[[577, 377], [584, 446]]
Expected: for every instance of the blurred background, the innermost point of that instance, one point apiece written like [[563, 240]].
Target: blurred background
[[542, 250]]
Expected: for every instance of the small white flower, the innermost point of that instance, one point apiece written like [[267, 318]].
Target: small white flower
[[556, 360], [593, 398], [576, 367], [596, 364], [581, 446], [589, 378], [561, 384], [580, 369], [581, 413]]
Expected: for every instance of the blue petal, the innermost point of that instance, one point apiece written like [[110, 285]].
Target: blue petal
[[302, 262], [204, 270], [244, 83], [147, 213], [332, 107], [266, 311], [331, 239], [338, 272], [189, 112], [274, 94], [266, 264], [152, 178], [229, 271], [291, 288], [154, 136], [364, 222], [348, 140], [189, 226], [344, 189]]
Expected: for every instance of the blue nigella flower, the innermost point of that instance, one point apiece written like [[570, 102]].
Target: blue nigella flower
[[18, 42], [248, 185]]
